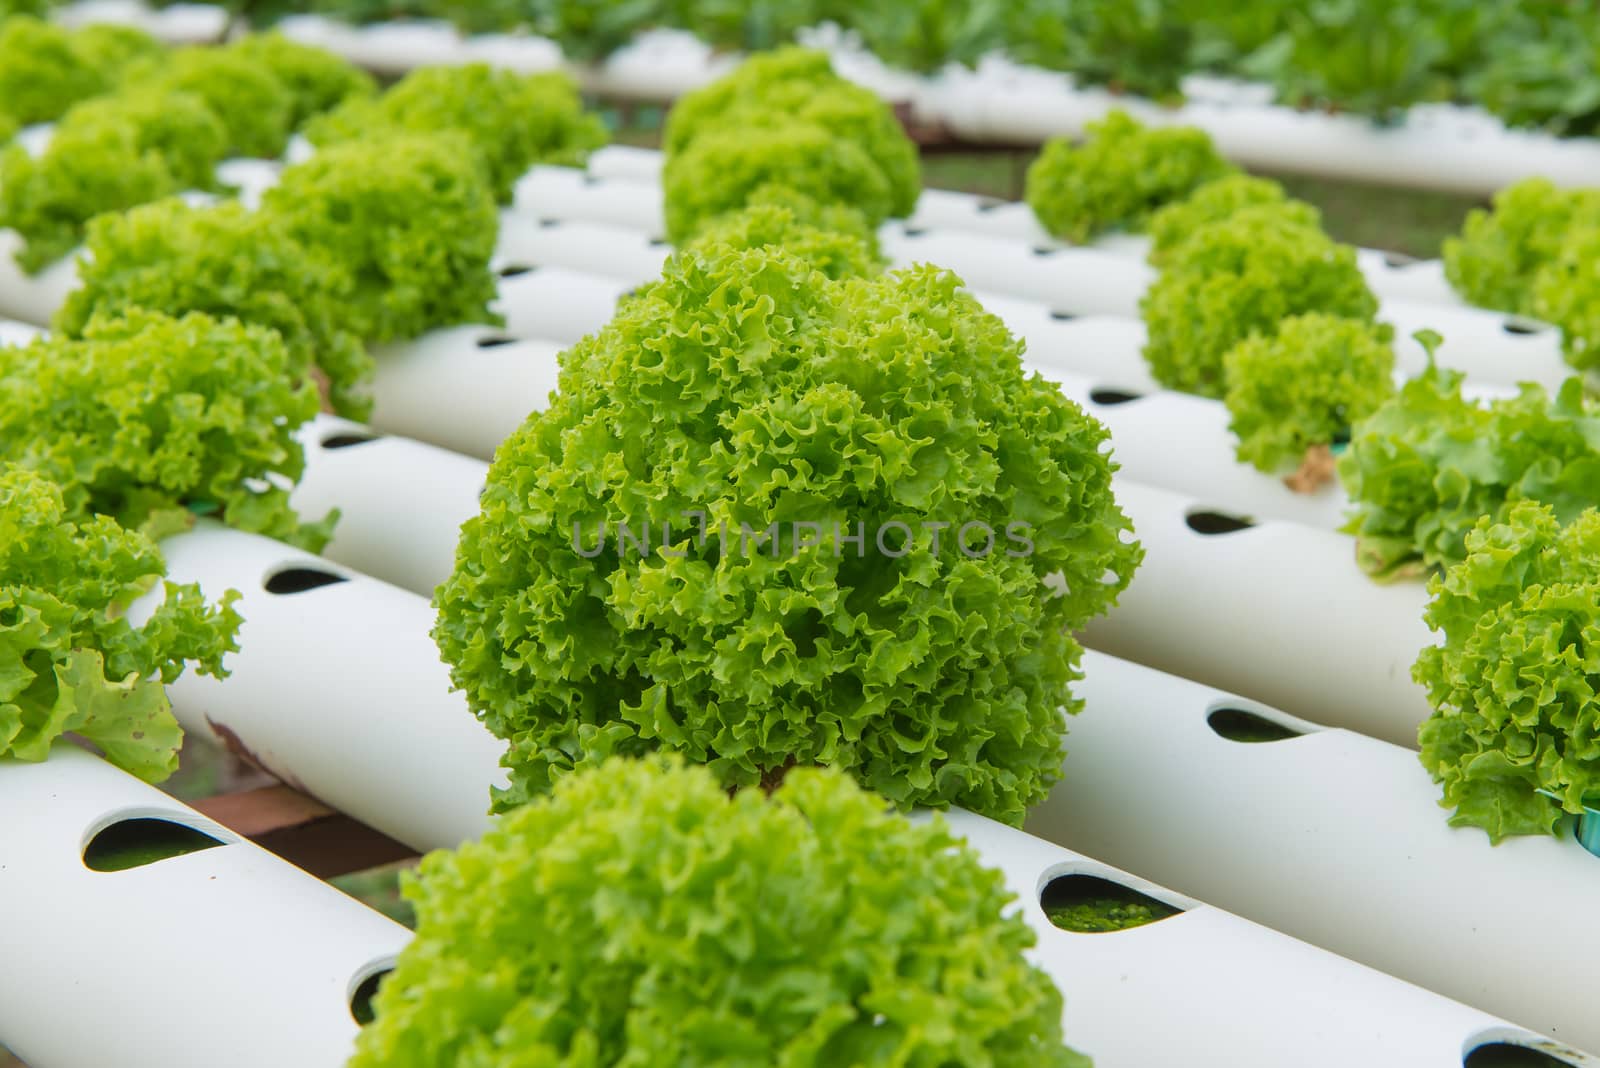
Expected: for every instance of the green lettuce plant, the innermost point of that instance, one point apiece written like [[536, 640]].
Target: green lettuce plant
[[1566, 291], [108, 154], [641, 915], [1133, 46], [512, 120], [254, 106], [1499, 254], [1240, 277], [111, 49], [786, 104], [1305, 385], [1424, 467], [151, 419], [832, 237], [1118, 175], [1217, 200], [317, 80], [70, 660], [226, 261], [410, 219], [1515, 680], [43, 70], [780, 407]]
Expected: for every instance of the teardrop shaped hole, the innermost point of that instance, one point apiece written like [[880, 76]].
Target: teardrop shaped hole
[[1108, 396], [299, 579], [495, 341], [346, 439], [1511, 1055], [1089, 904], [515, 270], [1243, 725], [143, 840], [1212, 523], [1398, 259], [362, 993], [1520, 327]]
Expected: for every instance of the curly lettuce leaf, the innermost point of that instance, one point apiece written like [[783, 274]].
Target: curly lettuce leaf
[[253, 105], [833, 238], [1305, 385], [1241, 277], [1566, 290], [1217, 200], [42, 73], [1423, 468], [1134, 46], [228, 262], [411, 220], [878, 941], [748, 387], [512, 120], [317, 80], [1120, 173], [107, 155], [149, 416], [70, 662], [1514, 739], [1500, 253]]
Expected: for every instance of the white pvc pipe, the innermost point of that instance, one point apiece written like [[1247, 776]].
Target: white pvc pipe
[[176, 24], [1442, 147], [1278, 612], [1226, 992], [401, 502], [448, 389], [338, 690], [228, 955], [15, 333], [28, 298], [556, 303], [626, 163], [593, 248], [1333, 837], [659, 65]]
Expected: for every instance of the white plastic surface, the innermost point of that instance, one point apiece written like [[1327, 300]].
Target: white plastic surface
[[32, 298], [15, 333], [464, 388], [1441, 147], [401, 502], [594, 248], [337, 690], [1332, 837], [556, 303], [1222, 990], [228, 955], [1278, 612]]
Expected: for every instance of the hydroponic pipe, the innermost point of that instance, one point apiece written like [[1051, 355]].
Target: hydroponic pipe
[[337, 689], [627, 193], [1207, 988], [224, 955], [1279, 612], [1332, 837], [1435, 146]]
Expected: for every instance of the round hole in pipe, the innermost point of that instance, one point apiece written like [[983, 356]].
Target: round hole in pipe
[[345, 439], [1108, 395], [660, 242], [364, 989], [1511, 1055], [142, 840], [1209, 523], [1243, 725], [988, 204], [515, 270], [1521, 327], [1062, 317], [548, 222], [1045, 250], [1089, 904], [299, 578], [494, 341], [1398, 259]]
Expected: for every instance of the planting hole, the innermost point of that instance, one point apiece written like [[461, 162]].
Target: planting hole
[[1088, 904], [914, 231], [1045, 250], [547, 223], [660, 242], [988, 204], [515, 270], [592, 179], [1242, 725], [1524, 327], [1507, 1055], [365, 990], [133, 843], [300, 579], [1398, 259], [1209, 523], [1062, 317], [494, 341], [344, 439], [1108, 396]]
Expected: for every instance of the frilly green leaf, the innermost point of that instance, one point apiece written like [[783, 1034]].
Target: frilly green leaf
[[641, 915], [1216, 201], [69, 659], [1120, 173], [747, 386]]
